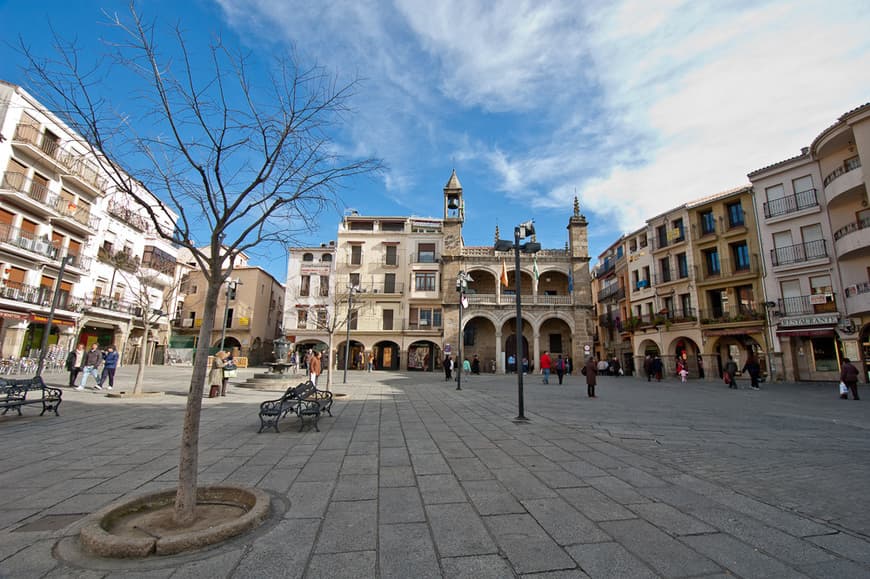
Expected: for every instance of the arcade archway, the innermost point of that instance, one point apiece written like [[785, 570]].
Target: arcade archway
[[386, 355], [424, 356]]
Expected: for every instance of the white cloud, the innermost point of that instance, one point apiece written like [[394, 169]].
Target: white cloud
[[638, 105]]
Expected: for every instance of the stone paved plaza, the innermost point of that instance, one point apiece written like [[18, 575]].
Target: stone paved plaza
[[414, 479]]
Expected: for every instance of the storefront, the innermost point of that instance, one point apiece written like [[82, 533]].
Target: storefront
[[811, 347]]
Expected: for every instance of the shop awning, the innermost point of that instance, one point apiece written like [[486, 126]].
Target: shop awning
[[807, 332], [733, 331], [57, 321], [13, 315]]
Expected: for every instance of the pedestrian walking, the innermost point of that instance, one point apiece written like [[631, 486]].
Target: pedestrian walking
[[647, 367], [475, 365], [730, 373], [92, 361], [658, 368], [314, 367], [448, 368], [110, 364], [545, 366], [371, 363], [849, 377], [74, 361], [216, 374], [512, 364], [229, 371], [560, 368], [590, 370], [616, 367], [466, 366], [753, 368]]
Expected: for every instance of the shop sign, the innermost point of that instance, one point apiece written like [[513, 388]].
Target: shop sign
[[822, 320]]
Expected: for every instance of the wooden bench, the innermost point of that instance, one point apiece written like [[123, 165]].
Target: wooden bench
[[15, 393], [302, 400]]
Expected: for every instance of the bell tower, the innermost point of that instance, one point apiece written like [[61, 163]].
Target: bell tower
[[454, 216]]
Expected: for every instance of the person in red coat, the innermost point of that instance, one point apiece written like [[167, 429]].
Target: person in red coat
[[545, 366]]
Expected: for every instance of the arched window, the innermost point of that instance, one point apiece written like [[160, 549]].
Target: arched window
[[307, 257], [326, 257]]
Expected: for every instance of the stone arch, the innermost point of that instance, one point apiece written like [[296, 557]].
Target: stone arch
[[686, 350], [485, 280], [740, 346], [357, 349], [479, 339], [555, 335], [387, 355], [424, 355]]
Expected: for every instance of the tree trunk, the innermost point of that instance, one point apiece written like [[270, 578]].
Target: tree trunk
[[330, 364], [188, 465], [140, 369]]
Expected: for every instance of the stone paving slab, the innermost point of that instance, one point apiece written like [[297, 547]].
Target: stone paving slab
[[412, 478]]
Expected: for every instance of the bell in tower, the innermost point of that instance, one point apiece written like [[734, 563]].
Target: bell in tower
[[454, 208]]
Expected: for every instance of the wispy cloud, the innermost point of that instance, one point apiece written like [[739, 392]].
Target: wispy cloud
[[638, 106]]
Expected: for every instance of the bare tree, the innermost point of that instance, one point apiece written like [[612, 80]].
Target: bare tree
[[141, 282], [333, 324], [242, 156]]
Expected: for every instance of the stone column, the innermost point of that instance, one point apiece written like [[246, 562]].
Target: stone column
[[536, 348], [499, 361]]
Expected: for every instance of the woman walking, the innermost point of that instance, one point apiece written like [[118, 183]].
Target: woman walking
[[216, 375]]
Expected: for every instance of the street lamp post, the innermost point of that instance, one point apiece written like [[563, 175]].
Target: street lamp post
[[461, 287], [351, 289], [522, 231], [43, 350], [231, 284]]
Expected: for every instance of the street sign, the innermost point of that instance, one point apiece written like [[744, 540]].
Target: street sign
[[587, 348]]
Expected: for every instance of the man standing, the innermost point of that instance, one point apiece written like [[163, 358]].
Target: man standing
[[729, 374], [512, 364], [110, 363], [560, 367], [314, 367], [590, 370], [74, 364], [849, 377], [92, 361], [448, 367], [545, 366]]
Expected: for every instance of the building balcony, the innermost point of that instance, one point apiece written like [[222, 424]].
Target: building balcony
[[731, 315], [35, 196], [613, 292], [39, 296], [726, 269], [77, 261], [858, 299], [853, 239], [845, 178], [20, 239], [381, 288], [799, 253], [37, 144], [806, 305], [424, 258], [791, 204], [605, 267], [97, 301], [131, 217], [83, 173]]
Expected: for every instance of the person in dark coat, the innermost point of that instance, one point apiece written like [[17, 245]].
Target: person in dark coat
[[648, 367], [849, 377], [753, 368], [448, 367], [658, 368], [590, 370], [731, 371], [560, 367]]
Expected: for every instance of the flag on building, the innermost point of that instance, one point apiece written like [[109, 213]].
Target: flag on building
[[535, 268], [504, 279], [571, 281]]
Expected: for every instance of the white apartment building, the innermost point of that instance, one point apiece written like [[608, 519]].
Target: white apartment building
[[814, 223], [63, 225], [309, 302]]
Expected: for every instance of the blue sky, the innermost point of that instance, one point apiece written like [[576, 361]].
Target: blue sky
[[634, 106]]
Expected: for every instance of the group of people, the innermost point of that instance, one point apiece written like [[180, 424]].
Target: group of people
[[88, 363], [469, 367], [223, 367], [560, 365]]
